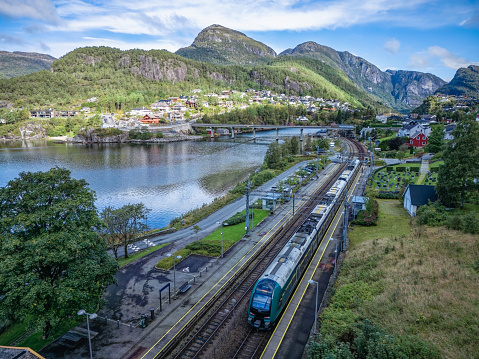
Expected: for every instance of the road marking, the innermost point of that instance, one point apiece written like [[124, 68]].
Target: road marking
[[261, 243], [305, 272]]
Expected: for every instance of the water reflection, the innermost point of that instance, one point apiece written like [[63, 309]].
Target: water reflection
[[169, 178]]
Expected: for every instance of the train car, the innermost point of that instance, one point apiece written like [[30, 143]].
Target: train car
[[273, 289]]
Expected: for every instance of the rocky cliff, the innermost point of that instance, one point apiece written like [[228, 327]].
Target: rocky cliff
[[402, 90]]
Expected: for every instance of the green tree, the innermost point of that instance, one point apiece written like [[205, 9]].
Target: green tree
[[395, 143], [294, 145], [122, 225], [53, 261], [456, 178], [272, 157], [321, 143], [435, 141]]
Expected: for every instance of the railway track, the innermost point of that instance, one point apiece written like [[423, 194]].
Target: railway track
[[208, 335], [202, 337], [255, 341]]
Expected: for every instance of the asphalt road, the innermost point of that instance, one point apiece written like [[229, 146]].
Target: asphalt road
[[213, 221]]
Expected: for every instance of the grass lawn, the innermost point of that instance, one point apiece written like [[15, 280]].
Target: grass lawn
[[34, 341], [417, 283], [211, 244], [393, 220]]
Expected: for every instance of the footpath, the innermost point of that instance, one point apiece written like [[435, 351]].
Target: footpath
[[143, 290]]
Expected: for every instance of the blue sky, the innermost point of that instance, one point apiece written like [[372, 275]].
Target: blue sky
[[433, 36]]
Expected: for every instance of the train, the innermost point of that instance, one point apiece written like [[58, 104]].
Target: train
[[273, 289]]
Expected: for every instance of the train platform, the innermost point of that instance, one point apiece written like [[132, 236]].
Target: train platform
[[139, 289], [293, 331]]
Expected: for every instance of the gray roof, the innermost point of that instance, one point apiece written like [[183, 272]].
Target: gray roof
[[421, 194]]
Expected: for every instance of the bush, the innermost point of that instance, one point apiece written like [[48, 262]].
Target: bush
[[400, 169], [237, 218], [432, 215], [159, 135], [140, 135], [107, 132], [470, 223], [387, 195], [262, 177], [454, 222], [368, 340]]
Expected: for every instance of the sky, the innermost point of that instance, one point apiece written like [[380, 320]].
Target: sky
[[434, 36]]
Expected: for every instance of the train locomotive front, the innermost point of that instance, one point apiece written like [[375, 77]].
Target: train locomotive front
[[264, 304]]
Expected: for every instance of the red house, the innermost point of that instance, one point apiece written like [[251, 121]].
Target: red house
[[150, 120], [418, 139]]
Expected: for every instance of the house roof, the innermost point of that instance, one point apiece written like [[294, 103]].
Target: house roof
[[421, 194], [417, 133]]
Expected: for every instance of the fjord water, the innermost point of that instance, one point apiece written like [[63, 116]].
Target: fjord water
[[170, 179]]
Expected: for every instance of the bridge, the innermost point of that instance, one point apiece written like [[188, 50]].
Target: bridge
[[211, 126]]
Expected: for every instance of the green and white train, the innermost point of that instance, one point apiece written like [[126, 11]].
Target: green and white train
[[274, 288]]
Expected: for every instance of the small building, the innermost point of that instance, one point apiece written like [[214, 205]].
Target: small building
[[222, 131], [418, 139], [150, 119], [140, 111], [418, 195], [358, 203]]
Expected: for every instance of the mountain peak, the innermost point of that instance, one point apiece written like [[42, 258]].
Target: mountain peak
[[221, 45]]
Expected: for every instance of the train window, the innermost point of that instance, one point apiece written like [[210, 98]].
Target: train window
[[261, 302]]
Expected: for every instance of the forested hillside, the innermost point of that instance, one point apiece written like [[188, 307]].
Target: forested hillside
[[13, 64], [124, 79], [464, 83]]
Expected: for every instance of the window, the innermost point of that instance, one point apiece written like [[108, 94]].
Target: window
[[261, 302]]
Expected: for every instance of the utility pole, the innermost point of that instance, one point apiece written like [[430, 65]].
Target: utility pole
[[345, 222], [247, 209]]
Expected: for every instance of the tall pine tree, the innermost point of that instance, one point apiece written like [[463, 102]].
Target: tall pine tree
[[457, 178]]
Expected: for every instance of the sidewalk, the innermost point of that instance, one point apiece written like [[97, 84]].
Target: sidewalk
[[139, 284], [423, 171]]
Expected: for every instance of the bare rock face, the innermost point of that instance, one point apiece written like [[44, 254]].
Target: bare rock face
[[156, 69], [91, 60], [411, 87]]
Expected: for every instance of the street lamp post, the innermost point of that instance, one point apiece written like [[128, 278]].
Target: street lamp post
[[174, 271], [222, 224], [316, 306], [91, 316]]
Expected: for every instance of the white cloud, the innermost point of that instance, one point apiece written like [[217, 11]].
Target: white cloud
[[418, 60], [392, 46], [162, 17], [35, 9], [448, 59]]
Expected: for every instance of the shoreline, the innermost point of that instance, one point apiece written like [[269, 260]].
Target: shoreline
[[66, 139]]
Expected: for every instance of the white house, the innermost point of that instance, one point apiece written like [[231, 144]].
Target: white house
[[418, 195], [383, 118], [142, 111]]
